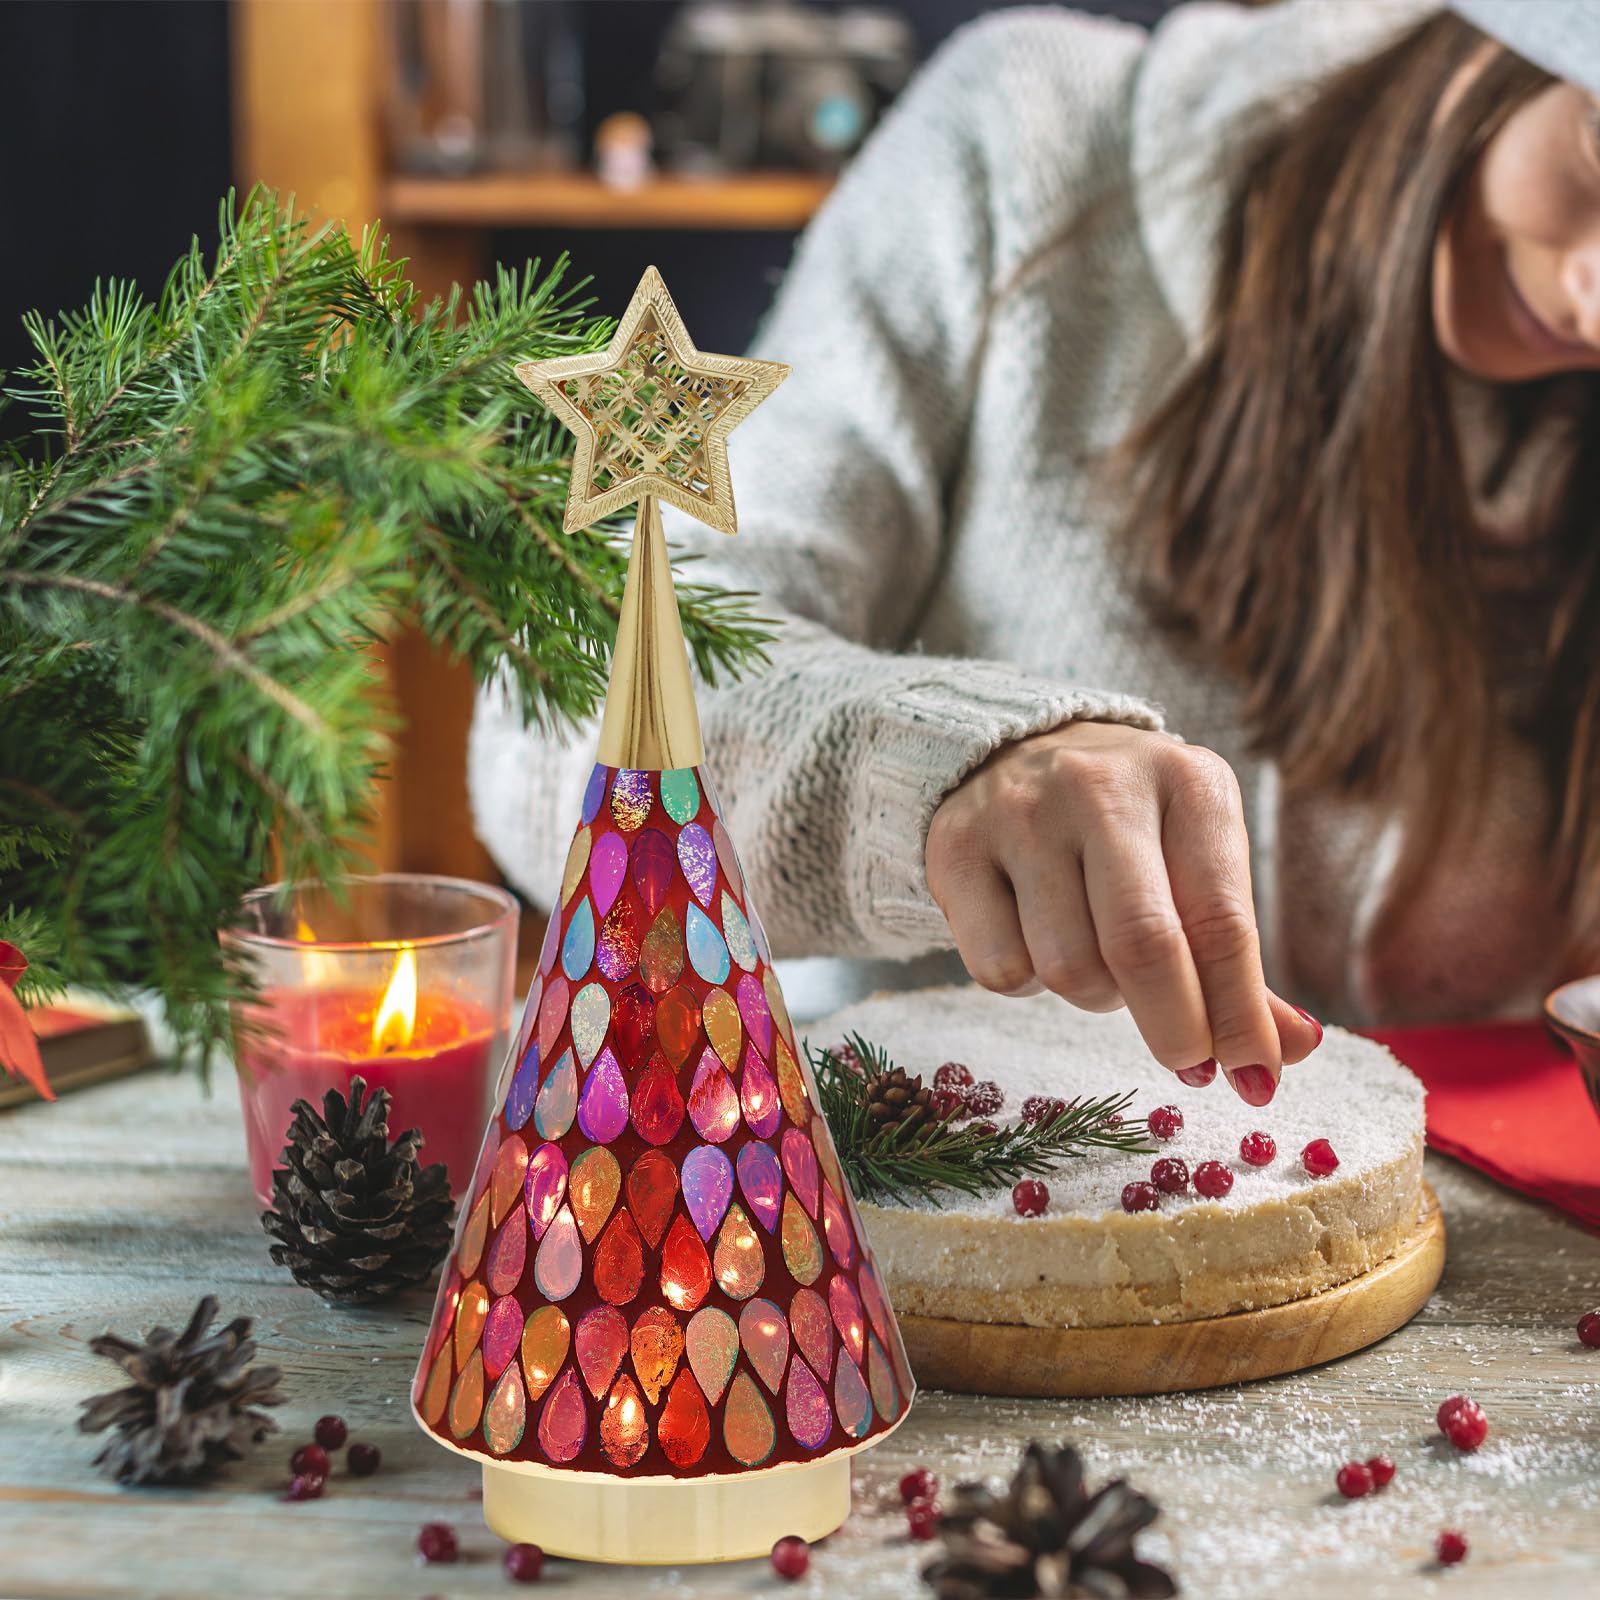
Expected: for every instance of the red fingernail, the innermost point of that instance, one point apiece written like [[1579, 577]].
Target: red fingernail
[[1254, 1085], [1300, 1011], [1198, 1077]]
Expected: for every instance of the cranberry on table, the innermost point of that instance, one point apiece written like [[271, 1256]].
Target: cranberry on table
[[309, 1458], [524, 1563], [1318, 1158], [952, 1075], [1447, 1409], [1382, 1470], [330, 1432], [1467, 1427], [1258, 1149], [918, 1484], [1030, 1197], [1140, 1197], [1170, 1175], [1212, 1179], [791, 1557], [1589, 1329], [306, 1486], [363, 1460], [923, 1518], [437, 1542], [1354, 1479], [986, 1098], [947, 1103], [1450, 1547], [1164, 1123]]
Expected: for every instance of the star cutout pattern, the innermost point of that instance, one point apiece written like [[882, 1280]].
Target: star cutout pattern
[[652, 414]]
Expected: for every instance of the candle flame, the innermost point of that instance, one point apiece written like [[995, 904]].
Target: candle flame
[[396, 1020]]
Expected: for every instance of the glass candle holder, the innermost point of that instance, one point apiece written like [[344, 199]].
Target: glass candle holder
[[401, 979]]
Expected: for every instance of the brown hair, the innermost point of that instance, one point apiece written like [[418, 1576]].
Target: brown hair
[[1300, 505]]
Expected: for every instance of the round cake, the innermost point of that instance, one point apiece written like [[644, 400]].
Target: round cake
[[1279, 1234]]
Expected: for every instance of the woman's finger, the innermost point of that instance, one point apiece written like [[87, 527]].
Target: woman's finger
[[982, 912], [1047, 881]]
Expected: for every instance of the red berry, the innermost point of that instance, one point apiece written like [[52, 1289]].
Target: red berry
[[1030, 1197], [1258, 1149], [1450, 1547], [1354, 1479], [918, 1484], [1318, 1158], [1448, 1409], [952, 1075], [922, 1519], [1382, 1470], [847, 1058], [791, 1557], [1140, 1197], [331, 1432], [309, 1458], [986, 1098], [1039, 1108], [437, 1542], [363, 1460], [984, 1128], [1165, 1122], [1112, 1119], [947, 1103], [1170, 1175], [524, 1563], [1467, 1427], [1212, 1179], [306, 1486], [1589, 1329]]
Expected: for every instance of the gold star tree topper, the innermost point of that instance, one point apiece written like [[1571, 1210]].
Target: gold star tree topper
[[652, 414]]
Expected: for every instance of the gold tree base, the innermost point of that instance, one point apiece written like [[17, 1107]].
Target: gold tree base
[[657, 1522]]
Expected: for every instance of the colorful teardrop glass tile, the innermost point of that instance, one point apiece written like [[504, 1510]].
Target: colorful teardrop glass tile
[[552, 1013], [624, 1428], [652, 1189], [678, 1024], [728, 856], [800, 1163], [524, 1087], [444, 1312], [680, 794], [685, 1266], [812, 1328], [683, 1430], [545, 1342], [617, 950], [761, 1182], [633, 1024], [657, 1347], [848, 1317], [791, 1086], [558, 1099], [757, 1014], [502, 1333], [473, 1237], [472, 1311], [558, 1265], [508, 1254], [758, 932], [876, 1302], [466, 1399], [736, 931], [657, 1105], [591, 1015], [551, 945], [619, 1261], [698, 858], [758, 1094], [594, 792], [600, 1344], [712, 1345], [708, 955], [805, 1403], [545, 1188], [652, 869], [780, 1012], [713, 1101], [880, 1379], [564, 1420], [630, 799], [738, 1260], [506, 1415], [436, 1392], [836, 1229], [707, 1180], [661, 956], [595, 1184], [764, 1333], [850, 1398], [720, 1017], [747, 1426], [509, 1167], [577, 860], [607, 867], [802, 1249], [603, 1106], [577, 949]]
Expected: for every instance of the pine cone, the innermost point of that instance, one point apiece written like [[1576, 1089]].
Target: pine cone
[[357, 1217], [189, 1407], [1046, 1536], [895, 1100]]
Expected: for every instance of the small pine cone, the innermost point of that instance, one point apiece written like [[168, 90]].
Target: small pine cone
[[357, 1217], [895, 1099], [190, 1406]]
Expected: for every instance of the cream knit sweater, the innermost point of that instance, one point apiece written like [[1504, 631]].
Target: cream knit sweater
[[1002, 283]]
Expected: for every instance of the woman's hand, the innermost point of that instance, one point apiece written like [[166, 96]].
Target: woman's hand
[[1111, 865]]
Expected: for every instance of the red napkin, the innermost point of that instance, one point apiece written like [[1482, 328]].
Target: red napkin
[[1508, 1099]]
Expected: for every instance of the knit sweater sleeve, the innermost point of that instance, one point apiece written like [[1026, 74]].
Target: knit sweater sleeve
[[832, 761]]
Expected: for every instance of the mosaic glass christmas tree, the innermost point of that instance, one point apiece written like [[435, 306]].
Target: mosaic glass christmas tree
[[660, 1329]]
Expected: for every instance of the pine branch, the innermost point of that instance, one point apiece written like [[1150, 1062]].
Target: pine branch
[[902, 1163]]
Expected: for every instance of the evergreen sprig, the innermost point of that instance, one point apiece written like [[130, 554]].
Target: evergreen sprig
[[230, 496], [900, 1163]]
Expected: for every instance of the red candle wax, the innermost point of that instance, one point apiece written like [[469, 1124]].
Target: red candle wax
[[320, 1039]]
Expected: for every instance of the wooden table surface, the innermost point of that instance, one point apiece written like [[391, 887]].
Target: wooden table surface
[[121, 1205]]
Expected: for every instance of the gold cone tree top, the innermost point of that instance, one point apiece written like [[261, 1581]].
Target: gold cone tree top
[[660, 1273]]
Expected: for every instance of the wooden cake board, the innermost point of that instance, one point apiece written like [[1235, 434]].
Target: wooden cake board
[[1160, 1358]]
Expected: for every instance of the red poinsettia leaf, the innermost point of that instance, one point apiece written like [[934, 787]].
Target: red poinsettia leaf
[[12, 964], [19, 1050]]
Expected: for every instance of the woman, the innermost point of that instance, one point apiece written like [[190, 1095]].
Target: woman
[[1225, 383]]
